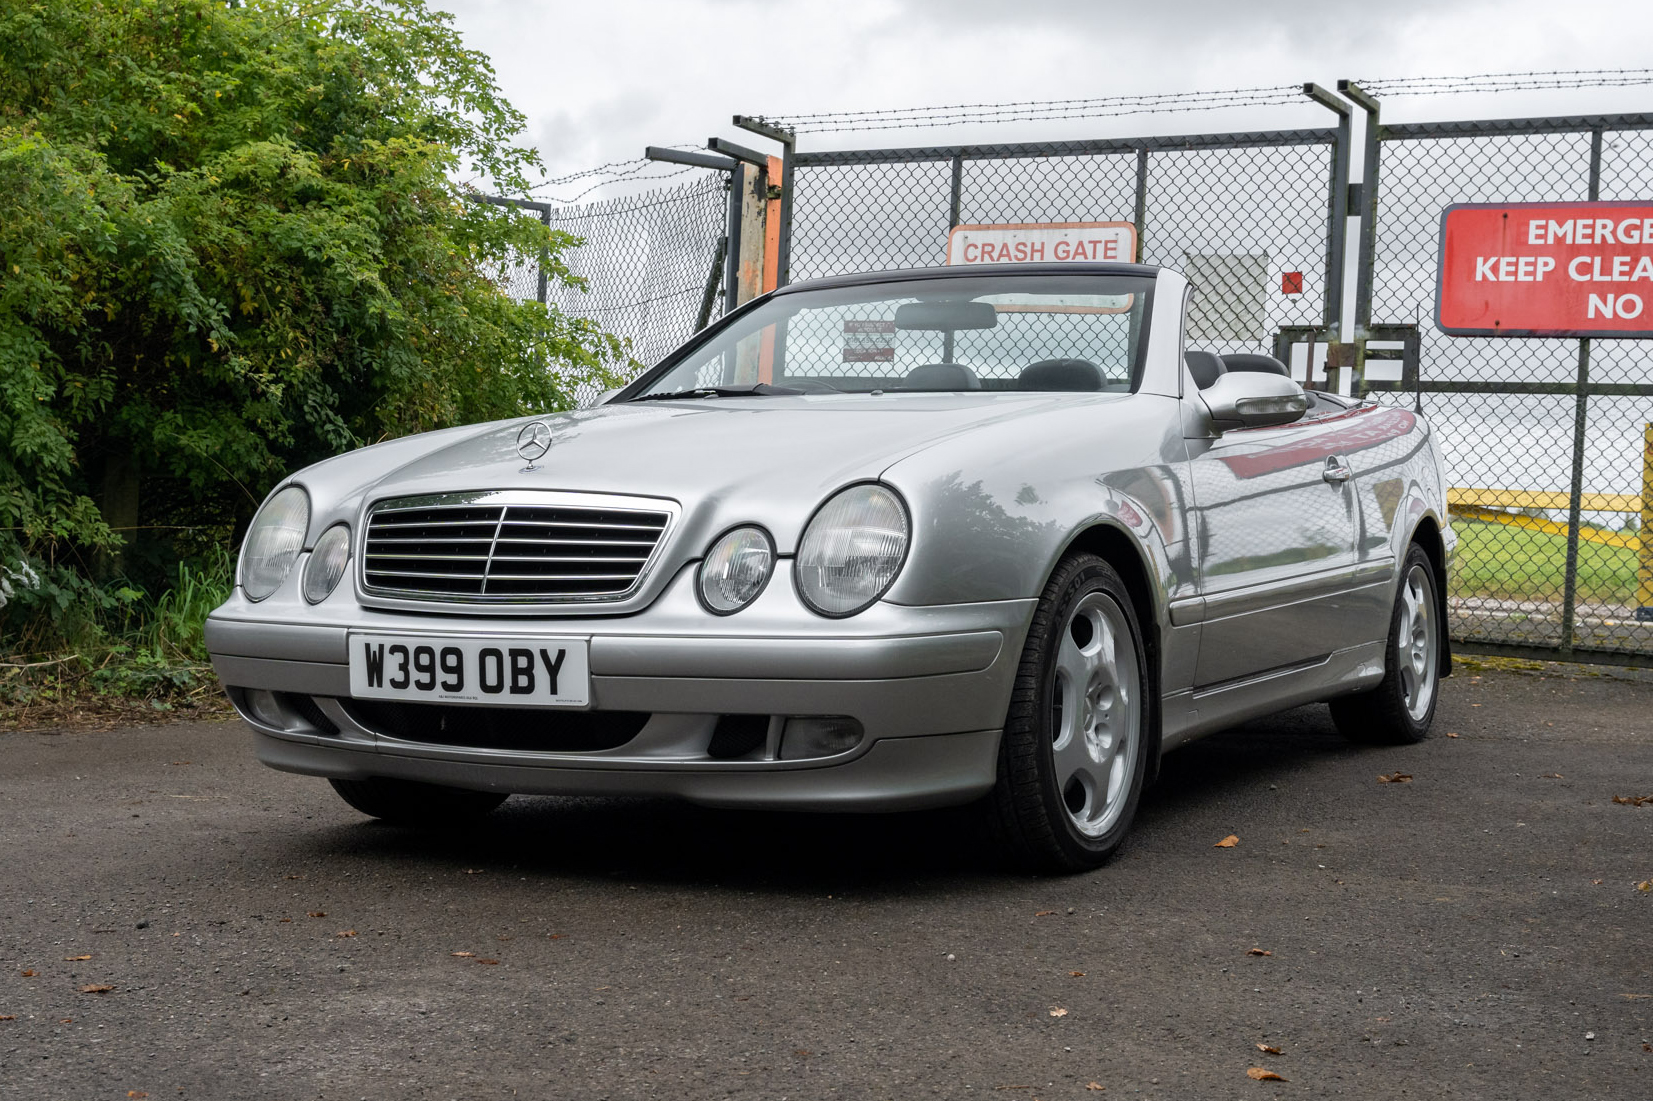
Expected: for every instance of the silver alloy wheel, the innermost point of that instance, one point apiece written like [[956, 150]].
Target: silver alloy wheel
[[1096, 714], [1417, 642]]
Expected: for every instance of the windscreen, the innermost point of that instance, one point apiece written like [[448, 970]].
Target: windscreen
[[1032, 333]]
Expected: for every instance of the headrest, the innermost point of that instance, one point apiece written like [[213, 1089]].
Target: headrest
[[1250, 361], [941, 376], [1061, 374], [1206, 367]]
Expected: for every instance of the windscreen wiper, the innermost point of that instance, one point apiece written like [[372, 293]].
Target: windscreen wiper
[[762, 389]]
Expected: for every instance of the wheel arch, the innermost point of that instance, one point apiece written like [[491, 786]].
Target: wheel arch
[[1117, 547], [1426, 534]]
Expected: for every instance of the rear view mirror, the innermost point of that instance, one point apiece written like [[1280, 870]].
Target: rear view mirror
[[1250, 399], [946, 316]]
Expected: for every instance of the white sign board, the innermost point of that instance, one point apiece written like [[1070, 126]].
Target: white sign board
[[1047, 243], [1042, 243]]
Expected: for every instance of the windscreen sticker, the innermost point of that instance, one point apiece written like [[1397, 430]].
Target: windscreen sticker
[[869, 342]]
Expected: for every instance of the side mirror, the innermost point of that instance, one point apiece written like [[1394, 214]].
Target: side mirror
[[1253, 399]]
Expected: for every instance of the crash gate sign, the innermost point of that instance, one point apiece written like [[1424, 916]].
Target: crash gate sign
[[1042, 243], [1546, 269]]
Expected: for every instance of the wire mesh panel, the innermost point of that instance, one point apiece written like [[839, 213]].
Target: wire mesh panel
[[1248, 226], [646, 259], [1508, 411], [1245, 216]]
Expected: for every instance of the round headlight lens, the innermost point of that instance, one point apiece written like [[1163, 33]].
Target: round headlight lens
[[327, 563], [852, 550], [736, 569], [273, 542]]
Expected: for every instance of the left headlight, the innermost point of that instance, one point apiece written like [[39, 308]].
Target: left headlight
[[852, 550], [327, 563], [273, 542], [736, 569]]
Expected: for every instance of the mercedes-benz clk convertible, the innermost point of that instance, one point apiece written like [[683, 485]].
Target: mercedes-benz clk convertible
[[995, 536]]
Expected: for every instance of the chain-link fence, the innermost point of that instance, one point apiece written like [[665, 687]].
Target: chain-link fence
[[647, 260], [1542, 438], [1197, 204]]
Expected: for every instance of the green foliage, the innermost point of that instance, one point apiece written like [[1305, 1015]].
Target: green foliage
[[232, 243]]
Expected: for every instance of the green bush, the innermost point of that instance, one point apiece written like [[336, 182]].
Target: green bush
[[233, 242]]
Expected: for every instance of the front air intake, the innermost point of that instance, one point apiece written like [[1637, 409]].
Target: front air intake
[[511, 547]]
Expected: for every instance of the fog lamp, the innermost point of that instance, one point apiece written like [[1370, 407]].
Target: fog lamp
[[825, 736]]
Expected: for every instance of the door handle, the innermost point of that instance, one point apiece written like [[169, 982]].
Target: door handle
[[1336, 471]]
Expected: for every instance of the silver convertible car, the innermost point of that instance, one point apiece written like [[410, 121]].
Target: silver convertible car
[[993, 535]]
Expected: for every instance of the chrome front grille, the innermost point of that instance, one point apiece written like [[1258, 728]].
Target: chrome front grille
[[520, 547]]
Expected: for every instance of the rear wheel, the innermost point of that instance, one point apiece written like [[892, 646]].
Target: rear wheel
[[1073, 754], [409, 803], [1399, 710]]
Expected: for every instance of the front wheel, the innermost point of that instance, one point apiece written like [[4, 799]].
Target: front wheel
[[1399, 710], [409, 803], [1074, 751]]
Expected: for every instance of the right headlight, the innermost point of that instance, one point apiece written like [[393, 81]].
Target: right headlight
[[852, 550], [273, 542]]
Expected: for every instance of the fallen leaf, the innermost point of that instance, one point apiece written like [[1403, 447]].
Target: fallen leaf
[[1595, 883], [1395, 778], [1228, 842], [96, 988], [1645, 885], [65, 1020], [1647, 1047], [283, 921], [75, 959], [1076, 974], [1552, 776], [1058, 1012], [295, 877], [1633, 800], [8, 1017], [1636, 996], [1259, 952], [1095, 1086], [556, 936], [345, 933], [462, 955], [136, 1093], [316, 913], [1265, 1049], [1043, 913], [1450, 734], [28, 974], [490, 963], [1258, 1074]]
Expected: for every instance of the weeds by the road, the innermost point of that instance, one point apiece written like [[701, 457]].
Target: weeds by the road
[[128, 658]]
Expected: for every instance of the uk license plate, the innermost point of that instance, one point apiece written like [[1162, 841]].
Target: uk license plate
[[543, 672]]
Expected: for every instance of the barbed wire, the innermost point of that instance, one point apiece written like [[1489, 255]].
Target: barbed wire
[[905, 118], [629, 171], [1550, 80]]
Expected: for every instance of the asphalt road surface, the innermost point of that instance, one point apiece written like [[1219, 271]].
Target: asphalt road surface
[[1477, 932]]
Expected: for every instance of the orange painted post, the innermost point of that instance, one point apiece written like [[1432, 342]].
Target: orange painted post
[[771, 261], [1644, 567], [772, 226]]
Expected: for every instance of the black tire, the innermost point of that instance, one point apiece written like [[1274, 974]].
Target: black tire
[[409, 803], [1388, 714], [1028, 811]]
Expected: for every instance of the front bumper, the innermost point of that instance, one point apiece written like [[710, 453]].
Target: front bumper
[[928, 686]]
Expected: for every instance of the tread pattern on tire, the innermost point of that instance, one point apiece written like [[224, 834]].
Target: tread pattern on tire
[[1022, 819]]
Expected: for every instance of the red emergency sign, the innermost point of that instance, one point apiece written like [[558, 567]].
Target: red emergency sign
[[1546, 269]]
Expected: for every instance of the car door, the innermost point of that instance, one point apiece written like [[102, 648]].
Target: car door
[[1275, 523]]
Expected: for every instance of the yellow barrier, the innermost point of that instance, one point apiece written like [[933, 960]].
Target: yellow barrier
[[1606, 538], [1644, 568], [1528, 498]]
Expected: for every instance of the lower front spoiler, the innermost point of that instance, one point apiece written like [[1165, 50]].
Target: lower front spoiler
[[894, 774]]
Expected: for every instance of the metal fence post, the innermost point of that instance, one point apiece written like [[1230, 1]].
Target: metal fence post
[[789, 146], [1140, 216], [1367, 191], [1337, 211], [545, 220], [731, 265], [956, 196], [1581, 408]]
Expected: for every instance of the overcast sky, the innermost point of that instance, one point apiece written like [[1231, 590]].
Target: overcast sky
[[599, 81]]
